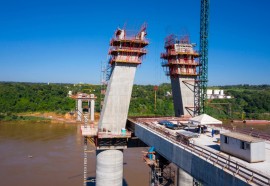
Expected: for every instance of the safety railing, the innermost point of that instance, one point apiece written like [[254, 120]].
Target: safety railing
[[225, 162], [127, 59], [127, 49], [174, 62], [172, 52], [133, 39], [249, 132]]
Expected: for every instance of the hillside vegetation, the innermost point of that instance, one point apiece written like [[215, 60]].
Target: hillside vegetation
[[248, 102]]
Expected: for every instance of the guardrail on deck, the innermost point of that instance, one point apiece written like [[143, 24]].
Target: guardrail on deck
[[249, 132]]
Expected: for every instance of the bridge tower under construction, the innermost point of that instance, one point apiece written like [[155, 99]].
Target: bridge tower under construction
[[126, 52], [110, 137], [180, 63]]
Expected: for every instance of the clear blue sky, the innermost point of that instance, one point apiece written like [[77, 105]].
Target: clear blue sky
[[64, 41]]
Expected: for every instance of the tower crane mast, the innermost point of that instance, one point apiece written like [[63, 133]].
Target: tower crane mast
[[200, 96]]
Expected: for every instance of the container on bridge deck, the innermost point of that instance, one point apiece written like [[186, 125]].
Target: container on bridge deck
[[243, 146]]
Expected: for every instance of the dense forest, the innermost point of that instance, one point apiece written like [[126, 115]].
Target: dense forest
[[249, 101]]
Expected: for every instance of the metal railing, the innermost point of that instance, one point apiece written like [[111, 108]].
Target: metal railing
[[173, 52], [127, 49], [223, 161], [249, 132], [133, 39]]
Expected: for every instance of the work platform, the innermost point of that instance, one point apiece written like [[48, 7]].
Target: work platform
[[105, 139]]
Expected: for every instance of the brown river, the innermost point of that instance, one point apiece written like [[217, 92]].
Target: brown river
[[43, 154]]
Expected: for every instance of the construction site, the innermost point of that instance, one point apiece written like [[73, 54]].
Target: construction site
[[135, 93], [191, 148]]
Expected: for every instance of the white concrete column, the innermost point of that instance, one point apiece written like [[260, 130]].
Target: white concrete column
[[79, 115], [76, 105], [109, 168], [183, 178], [92, 114], [89, 109], [183, 95]]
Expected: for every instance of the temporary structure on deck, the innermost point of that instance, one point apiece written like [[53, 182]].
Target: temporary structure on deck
[[204, 119]]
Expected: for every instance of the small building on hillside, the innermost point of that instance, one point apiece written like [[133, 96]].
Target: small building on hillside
[[245, 147]]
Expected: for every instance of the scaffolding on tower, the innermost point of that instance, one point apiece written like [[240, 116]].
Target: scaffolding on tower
[[106, 71], [179, 60], [128, 47]]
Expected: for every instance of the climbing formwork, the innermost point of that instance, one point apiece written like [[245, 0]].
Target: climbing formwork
[[180, 64], [179, 59], [128, 48]]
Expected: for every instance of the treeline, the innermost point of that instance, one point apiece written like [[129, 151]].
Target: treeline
[[249, 101], [145, 103], [32, 97], [40, 97]]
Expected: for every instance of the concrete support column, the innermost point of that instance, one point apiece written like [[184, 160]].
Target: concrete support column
[[109, 168], [79, 112], [89, 109], [92, 113], [183, 178], [183, 96]]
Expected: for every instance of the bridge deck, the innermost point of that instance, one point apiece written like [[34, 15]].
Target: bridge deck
[[209, 148], [207, 142]]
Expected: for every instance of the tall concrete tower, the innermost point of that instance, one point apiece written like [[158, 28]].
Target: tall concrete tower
[[180, 64], [126, 54]]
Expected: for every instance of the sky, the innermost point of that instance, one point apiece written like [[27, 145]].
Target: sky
[[65, 41]]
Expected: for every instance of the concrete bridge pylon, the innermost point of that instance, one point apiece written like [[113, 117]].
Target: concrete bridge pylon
[[126, 53], [180, 63]]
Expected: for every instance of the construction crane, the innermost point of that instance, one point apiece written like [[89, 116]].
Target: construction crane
[[201, 88]]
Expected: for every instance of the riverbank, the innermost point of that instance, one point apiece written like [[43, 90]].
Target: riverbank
[[11, 118], [53, 116], [48, 117]]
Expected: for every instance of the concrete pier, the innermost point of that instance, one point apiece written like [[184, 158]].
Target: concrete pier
[[109, 168], [80, 111], [183, 178], [90, 99], [92, 110]]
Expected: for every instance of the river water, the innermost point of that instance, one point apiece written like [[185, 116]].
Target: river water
[[46, 154]]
